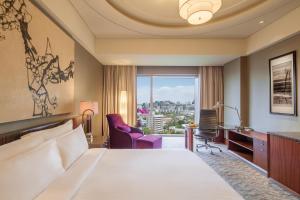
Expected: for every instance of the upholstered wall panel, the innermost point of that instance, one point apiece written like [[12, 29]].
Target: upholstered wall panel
[[88, 81], [37, 64]]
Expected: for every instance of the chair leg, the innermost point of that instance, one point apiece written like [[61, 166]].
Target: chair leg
[[214, 147], [207, 146], [198, 146]]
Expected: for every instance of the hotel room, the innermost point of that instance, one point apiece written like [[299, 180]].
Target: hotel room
[[149, 99]]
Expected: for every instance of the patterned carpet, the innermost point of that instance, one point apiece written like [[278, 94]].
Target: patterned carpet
[[245, 179]]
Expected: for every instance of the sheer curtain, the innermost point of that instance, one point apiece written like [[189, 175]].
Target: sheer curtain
[[211, 88], [119, 78]]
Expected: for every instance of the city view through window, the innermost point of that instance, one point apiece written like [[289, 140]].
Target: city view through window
[[165, 103]]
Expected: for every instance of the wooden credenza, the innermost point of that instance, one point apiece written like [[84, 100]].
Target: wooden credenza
[[284, 163], [252, 146]]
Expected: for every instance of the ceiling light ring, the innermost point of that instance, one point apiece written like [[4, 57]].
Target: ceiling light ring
[[188, 8], [190, 5], [185, 4], [200, 11]]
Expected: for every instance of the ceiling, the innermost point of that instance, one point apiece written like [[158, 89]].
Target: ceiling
[[160, 18], [166, 60]]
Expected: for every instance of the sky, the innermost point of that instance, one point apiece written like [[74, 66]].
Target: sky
[[166, 88]]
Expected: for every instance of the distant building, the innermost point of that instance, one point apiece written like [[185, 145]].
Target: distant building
[[155, 122], [164, 113]]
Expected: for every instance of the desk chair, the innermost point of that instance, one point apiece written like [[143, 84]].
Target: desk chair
[[208, 129]]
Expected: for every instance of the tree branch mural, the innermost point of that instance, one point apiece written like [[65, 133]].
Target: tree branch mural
[[42, 69]]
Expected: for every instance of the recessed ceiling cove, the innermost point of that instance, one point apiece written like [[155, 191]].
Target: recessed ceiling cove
[[166, 12], [161, 19]]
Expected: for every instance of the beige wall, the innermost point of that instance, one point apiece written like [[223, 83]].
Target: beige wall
[[232, 80], [252, 88], [88, 86], [167, 70], [236, 91], [259, 114], [64, 13]]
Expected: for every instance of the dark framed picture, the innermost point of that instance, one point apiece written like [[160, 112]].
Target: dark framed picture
[[283, 86]]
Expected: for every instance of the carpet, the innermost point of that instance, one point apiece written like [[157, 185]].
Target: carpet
[[245, 179]]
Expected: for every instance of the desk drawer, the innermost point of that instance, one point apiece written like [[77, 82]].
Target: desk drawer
[[260, 153]]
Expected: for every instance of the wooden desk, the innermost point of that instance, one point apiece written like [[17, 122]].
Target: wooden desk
[[252, 146], [189, 137]]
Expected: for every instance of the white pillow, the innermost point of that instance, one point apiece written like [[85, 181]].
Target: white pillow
[[19, 146], [53, 132], [26, 175], [72, 146]]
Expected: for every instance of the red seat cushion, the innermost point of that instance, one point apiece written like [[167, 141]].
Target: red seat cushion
[[149, 142], [135, 136], [124, 128]]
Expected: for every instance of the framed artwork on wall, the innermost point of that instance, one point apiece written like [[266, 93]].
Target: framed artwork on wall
[[36, 64], [283, 84]]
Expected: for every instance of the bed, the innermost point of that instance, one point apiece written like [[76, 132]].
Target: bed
[[110, 174]]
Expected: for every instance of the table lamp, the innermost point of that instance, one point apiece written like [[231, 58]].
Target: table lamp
[[87, 110], [240, 127]]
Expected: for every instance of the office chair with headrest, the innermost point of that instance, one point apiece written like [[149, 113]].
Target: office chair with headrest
[[208, 129]]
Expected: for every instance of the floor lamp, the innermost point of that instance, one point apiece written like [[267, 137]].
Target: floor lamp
[[87, 110], [123, 105]]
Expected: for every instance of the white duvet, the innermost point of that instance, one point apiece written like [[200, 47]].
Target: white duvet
[[143, 175]]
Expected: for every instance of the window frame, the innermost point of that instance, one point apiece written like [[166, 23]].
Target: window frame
[[152, 76]]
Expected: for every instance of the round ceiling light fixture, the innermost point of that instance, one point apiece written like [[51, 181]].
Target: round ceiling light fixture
[[198, 11]]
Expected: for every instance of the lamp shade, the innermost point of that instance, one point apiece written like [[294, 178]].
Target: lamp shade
[[123, 105], [89, 105], [198, 11]]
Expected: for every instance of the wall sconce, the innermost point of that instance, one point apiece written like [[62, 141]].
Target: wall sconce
[[123, 105]]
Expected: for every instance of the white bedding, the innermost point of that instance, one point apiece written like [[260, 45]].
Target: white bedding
[[145, 175], [66, 186], [63, 168]]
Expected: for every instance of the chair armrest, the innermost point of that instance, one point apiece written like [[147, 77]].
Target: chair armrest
[[136, 130]]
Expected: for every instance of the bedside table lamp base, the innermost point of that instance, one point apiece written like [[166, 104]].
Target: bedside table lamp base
[[87, 110]]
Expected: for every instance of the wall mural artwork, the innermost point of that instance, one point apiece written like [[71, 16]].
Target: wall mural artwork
[[47, 75]]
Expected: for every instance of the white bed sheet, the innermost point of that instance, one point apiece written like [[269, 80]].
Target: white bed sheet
[[153, 175], [66, 186]]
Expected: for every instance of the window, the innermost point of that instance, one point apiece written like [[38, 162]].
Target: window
[[165, 103]]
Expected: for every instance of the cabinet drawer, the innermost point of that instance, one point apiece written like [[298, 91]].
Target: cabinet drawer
[[260, 153], [260, 145]]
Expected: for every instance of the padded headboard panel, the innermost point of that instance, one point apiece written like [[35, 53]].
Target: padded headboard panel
[[15, 135]]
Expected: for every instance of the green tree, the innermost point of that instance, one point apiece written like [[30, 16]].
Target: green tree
[[178, 126], [146, 130]]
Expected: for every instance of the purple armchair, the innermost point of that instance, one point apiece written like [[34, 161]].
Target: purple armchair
[[121, 135]]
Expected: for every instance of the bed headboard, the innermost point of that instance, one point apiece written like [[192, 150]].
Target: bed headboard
[[17, 134]]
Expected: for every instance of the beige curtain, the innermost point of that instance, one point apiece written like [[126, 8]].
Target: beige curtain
[[211, 88], [117, 79]]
